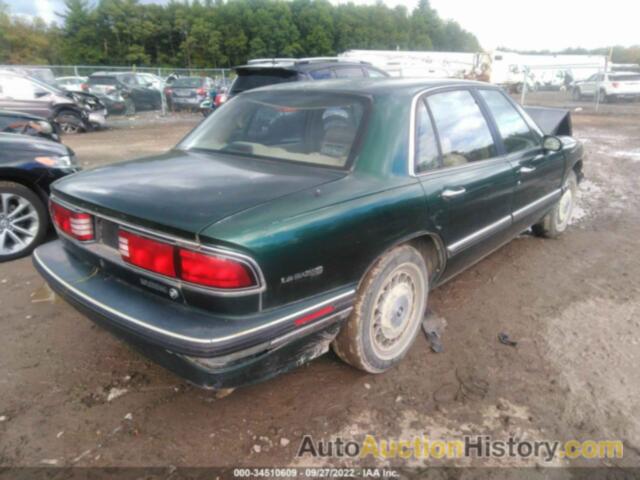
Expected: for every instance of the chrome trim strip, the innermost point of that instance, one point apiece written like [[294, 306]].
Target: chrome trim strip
[[469, 239], [202, 341], [174, 240], [521, 212]]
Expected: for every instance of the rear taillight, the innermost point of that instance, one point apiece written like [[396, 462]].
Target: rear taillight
[[220, 99], [146, 253], [84, 87], [614, 84], [214, 271], [187, 265], [168, 92], [75, 224], [201, 91]]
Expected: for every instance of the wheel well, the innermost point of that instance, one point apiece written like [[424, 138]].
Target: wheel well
[[577, 168], [25, 183], [430, 247]]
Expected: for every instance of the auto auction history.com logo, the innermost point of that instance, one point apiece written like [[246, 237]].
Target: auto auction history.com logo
[[478, 446]]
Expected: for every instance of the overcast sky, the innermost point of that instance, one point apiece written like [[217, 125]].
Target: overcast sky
[[531, 25]]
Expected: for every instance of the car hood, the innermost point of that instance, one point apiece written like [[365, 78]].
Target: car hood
[[184, 192], [15, 142]]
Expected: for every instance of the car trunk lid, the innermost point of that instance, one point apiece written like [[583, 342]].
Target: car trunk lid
[[183, 192]]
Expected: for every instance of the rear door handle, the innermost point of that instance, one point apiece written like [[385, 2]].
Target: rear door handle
[[527, 169], [453, 192]]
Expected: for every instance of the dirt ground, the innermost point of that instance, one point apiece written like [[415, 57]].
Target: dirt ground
[[71, 394]]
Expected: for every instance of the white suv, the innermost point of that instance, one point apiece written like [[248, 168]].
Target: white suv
[[610, 86]]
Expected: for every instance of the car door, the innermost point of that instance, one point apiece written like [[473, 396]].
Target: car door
[[21, 94], [588, 87], [538, 172], [468, 186]]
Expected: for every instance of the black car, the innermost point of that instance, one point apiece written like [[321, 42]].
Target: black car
[[124, 92], [261, 72], [28, 166], [18, 122], [188, 92]]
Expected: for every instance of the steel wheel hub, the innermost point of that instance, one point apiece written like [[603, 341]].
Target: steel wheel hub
[[396, 310], [565, 207], [18, 223]]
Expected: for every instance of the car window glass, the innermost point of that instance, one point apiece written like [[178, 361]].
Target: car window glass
[[304, 127], [349, 72], [374, 73], [462, 129], [426, 145], [19, 88], [516, 134], [321, 74]]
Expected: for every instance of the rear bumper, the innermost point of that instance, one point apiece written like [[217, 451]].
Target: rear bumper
[[208, 350]]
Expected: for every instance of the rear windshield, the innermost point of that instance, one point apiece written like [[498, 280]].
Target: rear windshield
[[625, 78], [100, 80], [188, 82], [312, 127], [249, 79]]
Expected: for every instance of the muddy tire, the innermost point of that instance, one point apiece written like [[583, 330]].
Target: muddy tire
[[388, 312], [23, 221], [556, 221], [70, 122]]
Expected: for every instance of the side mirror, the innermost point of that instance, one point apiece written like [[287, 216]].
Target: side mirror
[[41, 93], [552, 144]]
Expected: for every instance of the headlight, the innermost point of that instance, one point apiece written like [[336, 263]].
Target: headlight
[[62, 161]]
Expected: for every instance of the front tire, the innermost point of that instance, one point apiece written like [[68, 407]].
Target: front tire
[[388, 312], [557, 220], [23, 221], [70, 122]]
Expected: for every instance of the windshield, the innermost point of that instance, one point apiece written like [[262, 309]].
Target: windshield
[[306, 127], [188, 82], [249, 79]]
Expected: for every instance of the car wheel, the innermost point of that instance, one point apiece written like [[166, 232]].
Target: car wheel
[[556, 221], [577, 94], [129, 107], [23, 221], [70, 122], [388, 312]]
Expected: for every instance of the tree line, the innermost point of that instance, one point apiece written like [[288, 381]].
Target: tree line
[[216, 33]]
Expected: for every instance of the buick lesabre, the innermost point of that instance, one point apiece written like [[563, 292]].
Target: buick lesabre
[[303, 216]]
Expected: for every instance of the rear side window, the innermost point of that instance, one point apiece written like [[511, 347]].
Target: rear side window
[[426, 144], [373, 73], [462, 129], [322, 74], [349, 72], [516, 134]]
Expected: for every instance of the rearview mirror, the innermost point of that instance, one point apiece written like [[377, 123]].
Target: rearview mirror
[[552, 144]]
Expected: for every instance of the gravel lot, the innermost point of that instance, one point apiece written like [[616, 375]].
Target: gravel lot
[[71, 394]]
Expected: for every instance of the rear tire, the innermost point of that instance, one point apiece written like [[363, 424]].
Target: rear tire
[[577, 94], [129, 107], [557, 220], [23, 221], [604, 98], [388, 312]]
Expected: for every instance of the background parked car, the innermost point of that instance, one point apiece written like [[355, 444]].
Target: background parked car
[[610, 86], [73, 84], [188, 92], [153, 81], [125, 91], [23, 123], [262, 72], [73, 111], [28, 166]]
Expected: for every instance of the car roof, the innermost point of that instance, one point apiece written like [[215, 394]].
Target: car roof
[[374, 86], [300, 64], [111, 74]]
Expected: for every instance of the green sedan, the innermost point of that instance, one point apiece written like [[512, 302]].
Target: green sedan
[[305, 216]]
